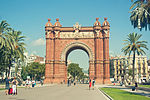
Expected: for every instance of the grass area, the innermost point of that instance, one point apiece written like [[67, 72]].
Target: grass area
[[2, 88], [2, 83], [146, 86], [21, 87], [118, 94]]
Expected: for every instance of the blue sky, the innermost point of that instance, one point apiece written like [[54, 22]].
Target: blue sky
[[30, 16]]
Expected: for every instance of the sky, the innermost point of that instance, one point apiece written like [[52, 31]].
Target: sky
[[30, 17]]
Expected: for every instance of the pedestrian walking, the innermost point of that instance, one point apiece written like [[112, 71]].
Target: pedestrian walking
[[7, 85], [33, 83], [93, 83], [14, 86], [27, 83], [136, 86], [90, 84], [68, 82], [41, 81]]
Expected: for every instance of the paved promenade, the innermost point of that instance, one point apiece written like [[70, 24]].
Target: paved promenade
[[56, 92]]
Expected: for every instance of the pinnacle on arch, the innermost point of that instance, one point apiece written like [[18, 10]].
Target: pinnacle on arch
[[48, 23], [57, 23], [105, 23], [97, 23]]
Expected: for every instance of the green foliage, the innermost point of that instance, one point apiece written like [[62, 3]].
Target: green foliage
[[133, 45], [24, 73], [34, 70], [130, 72], [111, 69], [75, 71], [118, 94], [140, 14], [146, 86], [12, 46]]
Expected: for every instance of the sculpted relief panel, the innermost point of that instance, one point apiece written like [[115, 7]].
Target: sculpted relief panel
[[76, 35]]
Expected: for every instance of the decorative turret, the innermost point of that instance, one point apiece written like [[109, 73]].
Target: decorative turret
[[105, 23], [48, 23], [57, 23], [48, 26], [97, 23], [57, 28], [106, 27]]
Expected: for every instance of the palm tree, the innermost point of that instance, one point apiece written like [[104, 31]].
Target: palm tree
[[5, 43], [17, 52], [140, 15], [134, 46], [4, 38], [12, 46], [18, 44]]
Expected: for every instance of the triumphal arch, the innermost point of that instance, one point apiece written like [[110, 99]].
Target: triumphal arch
[[60, 41]]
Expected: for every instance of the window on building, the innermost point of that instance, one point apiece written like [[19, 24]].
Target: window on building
[[144, 67]]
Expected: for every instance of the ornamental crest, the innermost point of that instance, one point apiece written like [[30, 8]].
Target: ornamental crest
[[76, 27]]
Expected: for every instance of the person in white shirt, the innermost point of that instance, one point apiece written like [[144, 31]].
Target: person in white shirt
[[33, 83], [28, 83]]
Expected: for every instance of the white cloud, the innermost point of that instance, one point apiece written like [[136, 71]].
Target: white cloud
[[38, 42]]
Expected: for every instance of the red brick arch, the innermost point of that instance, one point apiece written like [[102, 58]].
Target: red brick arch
[[60, 41], [76, 45]]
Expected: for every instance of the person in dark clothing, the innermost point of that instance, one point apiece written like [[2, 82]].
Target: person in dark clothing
[[93, 83], [7, 85], [136, 85], [68, 82], [41, 81]]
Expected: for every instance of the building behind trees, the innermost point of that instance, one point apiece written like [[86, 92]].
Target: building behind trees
[[122, 66]]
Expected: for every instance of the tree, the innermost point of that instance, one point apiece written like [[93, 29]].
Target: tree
[[74, 70], [5, 44], [4, 38], [12, 46], [24, 73], [134, 46], [35, 70], [111, 68], [18, 44], [140, 14]]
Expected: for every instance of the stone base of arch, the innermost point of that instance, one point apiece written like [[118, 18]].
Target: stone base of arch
[[48, 81], [107, 81]]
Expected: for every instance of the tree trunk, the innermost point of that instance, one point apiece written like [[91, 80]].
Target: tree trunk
[[133, 80], [9, 68], [6, 72]]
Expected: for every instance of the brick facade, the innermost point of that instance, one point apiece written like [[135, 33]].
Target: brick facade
[[60, 41]]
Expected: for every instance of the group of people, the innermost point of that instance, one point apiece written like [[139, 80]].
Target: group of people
[[11, 89], [69, 82], [11, 86], [29, 82], [91, 84]]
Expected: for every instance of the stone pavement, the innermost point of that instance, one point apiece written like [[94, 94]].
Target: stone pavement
[[56, 92], [139, 92]]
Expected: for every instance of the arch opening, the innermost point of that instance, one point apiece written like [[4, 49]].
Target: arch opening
[[74, 46], [79, 51]]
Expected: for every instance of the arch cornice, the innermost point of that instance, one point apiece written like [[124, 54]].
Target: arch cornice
[[74, 45]]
